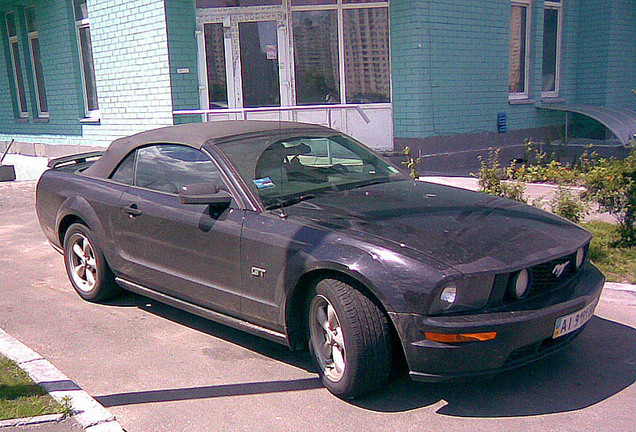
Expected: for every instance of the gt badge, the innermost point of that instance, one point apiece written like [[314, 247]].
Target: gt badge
[[258, 272]]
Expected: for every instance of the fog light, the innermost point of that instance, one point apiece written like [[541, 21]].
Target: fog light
[[448, 296], [580, 258], [520, 283]]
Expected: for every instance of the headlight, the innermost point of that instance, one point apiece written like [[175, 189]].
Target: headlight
[[580, 257], [448, 296], [519, 284], [470, 293]]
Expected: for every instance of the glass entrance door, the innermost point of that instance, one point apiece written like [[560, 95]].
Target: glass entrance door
[[244, 66], [258, 43]]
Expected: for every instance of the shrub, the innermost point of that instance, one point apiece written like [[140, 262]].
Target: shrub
[[568, 205], [491, 174], [412, 163], [612, 184]]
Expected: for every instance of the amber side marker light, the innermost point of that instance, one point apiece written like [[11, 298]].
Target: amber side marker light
[[460, 337]]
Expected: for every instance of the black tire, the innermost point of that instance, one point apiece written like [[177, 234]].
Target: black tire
[[363, 363], [86, 266]]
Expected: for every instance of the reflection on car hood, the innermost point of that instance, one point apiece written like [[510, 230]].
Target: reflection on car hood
[[470, 231]]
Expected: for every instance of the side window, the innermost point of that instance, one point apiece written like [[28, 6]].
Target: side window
[[168, 167], [125, 171]]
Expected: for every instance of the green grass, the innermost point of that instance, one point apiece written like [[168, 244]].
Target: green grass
[[21, 397], [618, 263]]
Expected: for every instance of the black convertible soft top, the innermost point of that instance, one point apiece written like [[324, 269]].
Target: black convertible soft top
[[193, 135]]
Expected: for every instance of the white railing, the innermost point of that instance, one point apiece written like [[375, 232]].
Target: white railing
[[244, 112]]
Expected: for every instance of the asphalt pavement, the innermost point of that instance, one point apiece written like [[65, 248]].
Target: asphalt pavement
[[159, 369]]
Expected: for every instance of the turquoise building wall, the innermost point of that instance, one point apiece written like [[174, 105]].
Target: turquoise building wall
[[61, 71], [450, 66], [130, 50], [180, 16]]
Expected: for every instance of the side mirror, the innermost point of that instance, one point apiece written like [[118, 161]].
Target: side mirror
[[204, 193]]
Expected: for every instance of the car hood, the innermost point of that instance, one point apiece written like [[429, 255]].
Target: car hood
[[469, 231]]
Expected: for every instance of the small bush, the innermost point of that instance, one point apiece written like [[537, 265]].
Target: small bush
[[491, 174], [412, 163], [612, 184], [568, 205]]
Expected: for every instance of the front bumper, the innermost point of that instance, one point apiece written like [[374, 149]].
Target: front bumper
[[523, 335]]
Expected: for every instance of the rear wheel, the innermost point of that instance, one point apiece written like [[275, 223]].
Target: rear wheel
[[86, 266], [349, 339]]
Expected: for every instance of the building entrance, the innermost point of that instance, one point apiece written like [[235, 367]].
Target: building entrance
[[324, 64]]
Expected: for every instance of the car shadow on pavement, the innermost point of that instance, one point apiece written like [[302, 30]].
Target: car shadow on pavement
[[600, 363], [253, 343]]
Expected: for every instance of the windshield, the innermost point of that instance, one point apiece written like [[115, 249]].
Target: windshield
[[285, 171]]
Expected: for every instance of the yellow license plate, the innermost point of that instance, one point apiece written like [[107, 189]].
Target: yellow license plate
[[574, 321]]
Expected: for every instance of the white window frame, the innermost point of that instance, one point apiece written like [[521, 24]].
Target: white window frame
[[558, 6], [340, 7], [90, 115], [34, 34], [526, 85], [20, 93]]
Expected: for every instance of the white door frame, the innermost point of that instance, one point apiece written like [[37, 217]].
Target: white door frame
[[230, 21]]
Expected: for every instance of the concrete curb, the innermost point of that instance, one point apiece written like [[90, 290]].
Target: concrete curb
[[92, 416], [620, 286], [30, 421]]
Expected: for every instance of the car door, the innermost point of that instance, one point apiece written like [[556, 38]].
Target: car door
[[187, 251]]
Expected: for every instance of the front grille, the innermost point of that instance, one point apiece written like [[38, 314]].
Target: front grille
[[550, 275], [546, 277]]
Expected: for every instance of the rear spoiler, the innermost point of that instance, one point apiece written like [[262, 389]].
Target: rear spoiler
[[76, 158]]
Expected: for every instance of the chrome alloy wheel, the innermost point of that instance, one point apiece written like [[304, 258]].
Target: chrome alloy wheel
[[83, 264], [327, 338]]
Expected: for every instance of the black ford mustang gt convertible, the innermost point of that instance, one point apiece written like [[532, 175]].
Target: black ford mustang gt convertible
[[302, 235]]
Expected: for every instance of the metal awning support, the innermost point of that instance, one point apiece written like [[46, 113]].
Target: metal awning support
[[621, 121]]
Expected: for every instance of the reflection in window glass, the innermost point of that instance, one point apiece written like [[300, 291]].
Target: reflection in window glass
[[258, 43], [19, 78], [125, 170], [81, 10], [11, 29], [363, 1], [168, 167], [16, 66], [303, 167], [36, 58], [88, 68], [215, 57], [36, 62], [517, 71], [316, 57], [367, 63], [550, 35], [235, 3]]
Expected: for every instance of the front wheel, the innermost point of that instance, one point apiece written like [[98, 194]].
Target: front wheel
[[349, 339], [86, 266]]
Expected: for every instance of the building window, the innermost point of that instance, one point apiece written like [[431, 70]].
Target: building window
[[552, 22], [36, 63], [16, 66], [366, 55], [519, 69], [341, 51], [82, 26], [316, 57]]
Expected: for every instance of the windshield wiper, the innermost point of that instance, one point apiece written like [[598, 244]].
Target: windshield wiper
[[367, 182], [281, 203]]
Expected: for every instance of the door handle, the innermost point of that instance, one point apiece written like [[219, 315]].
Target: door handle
[[131, 210]]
